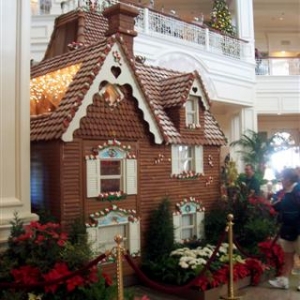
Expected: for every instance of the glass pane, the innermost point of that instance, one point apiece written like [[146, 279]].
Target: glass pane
[[189, 106], [110, 185], [191, 118], [187, 220], [110, 167], [106, 236], [187, 233], [185, 158], [187, 166], [184, 152]]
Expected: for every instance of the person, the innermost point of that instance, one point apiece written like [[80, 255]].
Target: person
[[251, 182], [298, 173], [45, 6], [258, 60], [289, 211]]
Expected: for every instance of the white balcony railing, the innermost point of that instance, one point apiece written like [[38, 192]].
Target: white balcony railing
[[278, 66], [160, 24]]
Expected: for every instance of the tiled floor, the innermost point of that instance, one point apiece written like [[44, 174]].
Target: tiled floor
[[262, 292]]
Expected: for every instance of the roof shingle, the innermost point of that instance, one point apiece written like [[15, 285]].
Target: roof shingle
[[162, 89]]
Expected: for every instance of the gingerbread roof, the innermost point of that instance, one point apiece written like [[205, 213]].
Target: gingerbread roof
[[53, 125], [160, 88], [84, 27]]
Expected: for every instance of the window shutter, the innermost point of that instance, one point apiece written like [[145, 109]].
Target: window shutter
[[93, 237], [199, 159], [177, 227], [93, 177], [200, 224], [134, 242], [131, 176], [175, 159]]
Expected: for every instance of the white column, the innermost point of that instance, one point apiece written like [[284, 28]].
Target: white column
[[245, 27], [240, 123], [14, 114], [248, 119]]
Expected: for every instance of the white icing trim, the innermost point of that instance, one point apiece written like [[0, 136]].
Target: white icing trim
[[126, 77]]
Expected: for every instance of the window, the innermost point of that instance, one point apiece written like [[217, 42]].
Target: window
[[106, 234], [110, 176], [111, 171], [111, 223], [187, 159], [189, 224], [192, 112]]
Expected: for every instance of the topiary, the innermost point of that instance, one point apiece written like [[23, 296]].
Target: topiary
[[160, 235]]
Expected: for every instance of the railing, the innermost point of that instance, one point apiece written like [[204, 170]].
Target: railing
[[160, 24], [278, 66]]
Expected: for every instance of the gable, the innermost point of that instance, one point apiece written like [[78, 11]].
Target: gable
[[115, 70], [198, 91]]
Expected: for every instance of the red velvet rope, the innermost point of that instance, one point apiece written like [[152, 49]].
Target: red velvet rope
[[142, 276], [170, 288], [54, 281]]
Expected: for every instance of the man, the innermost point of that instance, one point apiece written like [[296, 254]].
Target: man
[[251, 182]]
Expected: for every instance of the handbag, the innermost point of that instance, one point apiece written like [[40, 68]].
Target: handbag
[[288, 232]]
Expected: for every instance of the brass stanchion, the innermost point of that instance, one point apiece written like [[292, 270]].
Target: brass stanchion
[[230, 291], [119, 239]]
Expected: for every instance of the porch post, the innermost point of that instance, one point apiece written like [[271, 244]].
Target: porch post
[[245, 26], [14, 115]]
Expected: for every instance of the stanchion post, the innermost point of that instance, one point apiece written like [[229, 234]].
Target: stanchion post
[[119, 239], [230, 291]]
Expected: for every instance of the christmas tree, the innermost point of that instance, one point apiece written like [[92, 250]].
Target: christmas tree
[[221, 17]]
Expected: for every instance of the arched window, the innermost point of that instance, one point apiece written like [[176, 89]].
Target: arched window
[[288, 154], [110, 222]]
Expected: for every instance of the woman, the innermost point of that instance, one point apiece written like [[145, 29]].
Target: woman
[[289, 212]]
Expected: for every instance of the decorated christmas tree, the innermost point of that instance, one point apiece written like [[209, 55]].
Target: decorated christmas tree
[[221, 17]]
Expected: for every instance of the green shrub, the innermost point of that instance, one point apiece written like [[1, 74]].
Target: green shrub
[[160, 235]]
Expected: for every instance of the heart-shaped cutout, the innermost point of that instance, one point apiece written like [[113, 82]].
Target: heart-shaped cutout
[[116, 71], [194, 89]]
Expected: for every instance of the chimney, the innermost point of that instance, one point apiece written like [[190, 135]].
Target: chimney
[[121, 20]]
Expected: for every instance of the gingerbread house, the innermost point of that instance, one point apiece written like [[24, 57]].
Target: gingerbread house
[[112, 136]]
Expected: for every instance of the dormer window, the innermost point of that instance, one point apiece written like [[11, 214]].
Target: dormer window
[[192, 112]]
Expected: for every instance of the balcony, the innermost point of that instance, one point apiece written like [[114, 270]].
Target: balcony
[[167, 41], [225, 63], [158, 24], [278, 66]]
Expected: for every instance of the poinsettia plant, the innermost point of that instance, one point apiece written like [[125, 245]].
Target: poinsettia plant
[[39, 254], [193, 261]]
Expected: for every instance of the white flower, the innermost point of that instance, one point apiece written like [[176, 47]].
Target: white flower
[[183, 265]]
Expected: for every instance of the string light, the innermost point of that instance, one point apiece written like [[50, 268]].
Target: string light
[[47, 91]]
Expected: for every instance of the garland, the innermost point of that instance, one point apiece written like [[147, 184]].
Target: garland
[[186, 175], [183, 205], [130, 213], [110, 196]]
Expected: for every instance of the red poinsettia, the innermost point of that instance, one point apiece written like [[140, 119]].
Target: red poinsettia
[[273, 254], [59, 270], [45, 256], [251, 266], [262, 204], [256, 269], [26, 274]]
